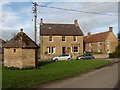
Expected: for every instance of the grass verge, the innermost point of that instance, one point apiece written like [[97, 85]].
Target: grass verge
[[47, 71]]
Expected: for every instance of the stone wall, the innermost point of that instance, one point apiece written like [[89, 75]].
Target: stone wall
[[58, 44], [97, 56], [28, 57], [18, 57]]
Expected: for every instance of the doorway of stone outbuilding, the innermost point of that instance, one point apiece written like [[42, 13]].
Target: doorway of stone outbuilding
[[63, 50]]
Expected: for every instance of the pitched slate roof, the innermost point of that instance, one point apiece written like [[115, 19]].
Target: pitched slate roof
[[21, 40], [96, 37], [60, 30]]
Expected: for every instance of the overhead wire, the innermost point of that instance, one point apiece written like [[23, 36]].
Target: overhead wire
[[80, 11]]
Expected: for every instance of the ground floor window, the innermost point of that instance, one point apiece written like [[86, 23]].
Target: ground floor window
[[51, 50], [99, 50], [75, 49], [48, 49]]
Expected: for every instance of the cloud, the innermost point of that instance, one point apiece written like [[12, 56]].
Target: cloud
[[12, 20], [87, 21], [22, 18]]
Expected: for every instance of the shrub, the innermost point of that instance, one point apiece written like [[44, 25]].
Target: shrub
[[16, 68]]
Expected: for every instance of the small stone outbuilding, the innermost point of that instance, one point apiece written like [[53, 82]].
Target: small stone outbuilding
[[20, 51]]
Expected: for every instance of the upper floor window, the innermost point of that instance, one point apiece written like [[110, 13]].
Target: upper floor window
[[108, 43], [63, 38], [14, 50], [74, 38], [99, 43], [50, 38], [90, 44]]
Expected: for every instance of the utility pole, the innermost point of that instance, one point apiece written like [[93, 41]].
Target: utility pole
[[35, 30], [35, 17]]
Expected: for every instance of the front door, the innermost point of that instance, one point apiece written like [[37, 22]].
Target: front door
[[63, 50]]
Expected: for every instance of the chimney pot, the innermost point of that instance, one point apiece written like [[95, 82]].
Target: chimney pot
[[76, 23], [89, 33], [110, 29]]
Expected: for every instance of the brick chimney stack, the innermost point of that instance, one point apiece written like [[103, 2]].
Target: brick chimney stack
[[41, 21], [76, 23], [110, 29], [89, 33]]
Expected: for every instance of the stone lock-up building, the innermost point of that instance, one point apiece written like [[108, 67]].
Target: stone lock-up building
[[20, 51], [56, 39], [104, 42]]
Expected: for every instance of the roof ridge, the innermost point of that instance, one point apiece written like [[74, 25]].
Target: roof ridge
[[100, 33], [21, 40], [97, 37], [58, 23]]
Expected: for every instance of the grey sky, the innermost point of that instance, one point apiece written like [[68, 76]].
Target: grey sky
[[16, 16]]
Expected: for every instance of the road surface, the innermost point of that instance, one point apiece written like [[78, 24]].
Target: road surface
[[106, 77]]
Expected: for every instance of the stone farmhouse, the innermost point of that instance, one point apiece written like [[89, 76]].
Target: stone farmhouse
[[104, 42], [20, 51], [56, 39]]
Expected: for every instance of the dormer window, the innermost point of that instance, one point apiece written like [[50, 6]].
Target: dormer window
[[50, 38], [63, 38]]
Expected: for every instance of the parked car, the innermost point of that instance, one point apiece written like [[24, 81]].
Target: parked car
[[86, 56], [62, 57]]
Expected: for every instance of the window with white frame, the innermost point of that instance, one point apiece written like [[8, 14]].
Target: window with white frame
[[74, 38], [75, 49], [63, 38], [48, 50], [99, 50], [99, 43], [53, 50], [90, 44], [50, 38], [108, 43]]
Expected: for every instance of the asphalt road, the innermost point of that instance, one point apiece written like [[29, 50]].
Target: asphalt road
[[106, 77]]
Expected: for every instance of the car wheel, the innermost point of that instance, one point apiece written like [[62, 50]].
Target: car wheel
[[68, 59], [56, 59]]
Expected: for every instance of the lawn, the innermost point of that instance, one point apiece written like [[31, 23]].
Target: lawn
[[47, 71]]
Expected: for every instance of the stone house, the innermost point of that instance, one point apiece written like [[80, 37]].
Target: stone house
[[104, 42], [20, 51], [56, 39]]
